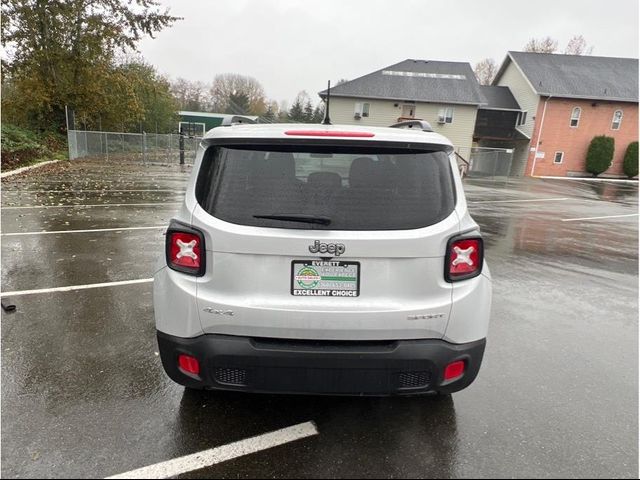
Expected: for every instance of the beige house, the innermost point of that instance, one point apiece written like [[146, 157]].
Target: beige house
[[446, 94]]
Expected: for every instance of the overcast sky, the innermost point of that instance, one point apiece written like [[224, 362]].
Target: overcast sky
[[291, 45]]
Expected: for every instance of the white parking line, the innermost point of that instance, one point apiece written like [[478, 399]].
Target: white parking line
[[599, 218], [207, 458], [523, 201], [71, 288], [26, 169], [56, 232], [95, 205]]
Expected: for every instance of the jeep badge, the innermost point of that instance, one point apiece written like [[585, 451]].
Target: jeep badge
[[335, 249]]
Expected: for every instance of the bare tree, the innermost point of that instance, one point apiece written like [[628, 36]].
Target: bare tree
[[578, 46], [190, 95], [230, 88], [541, 45], [485, 71], [303, 97]]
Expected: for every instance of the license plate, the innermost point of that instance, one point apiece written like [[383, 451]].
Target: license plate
[[319, 278]]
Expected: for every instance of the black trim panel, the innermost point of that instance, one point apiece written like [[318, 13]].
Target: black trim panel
[[320, 367]]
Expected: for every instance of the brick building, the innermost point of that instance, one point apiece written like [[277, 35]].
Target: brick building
[[565, 101]]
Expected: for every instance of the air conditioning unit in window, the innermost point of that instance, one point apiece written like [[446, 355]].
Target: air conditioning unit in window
[[357, 115]]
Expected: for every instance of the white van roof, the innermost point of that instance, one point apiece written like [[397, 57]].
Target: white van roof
[[347, 132]]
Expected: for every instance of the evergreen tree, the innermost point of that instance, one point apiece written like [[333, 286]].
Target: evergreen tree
[[600, 154], [238, 104], [630, 165], [308, 112], [296, 112], [318, 113], [269, 116]]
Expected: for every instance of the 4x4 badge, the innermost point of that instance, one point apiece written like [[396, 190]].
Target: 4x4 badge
[[335, 249], [218, 312], [428, 316]]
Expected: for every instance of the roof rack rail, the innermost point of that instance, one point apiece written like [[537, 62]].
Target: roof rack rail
[[235, 119], [417, 124]]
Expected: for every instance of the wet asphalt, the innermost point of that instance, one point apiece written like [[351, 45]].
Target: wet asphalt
[[84, 394]]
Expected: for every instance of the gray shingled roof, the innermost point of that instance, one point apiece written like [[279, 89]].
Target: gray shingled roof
[[429, 83], [498, 98], [577, 76]]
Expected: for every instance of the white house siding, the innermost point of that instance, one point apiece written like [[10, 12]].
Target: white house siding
[[528, 100], [383, 113]]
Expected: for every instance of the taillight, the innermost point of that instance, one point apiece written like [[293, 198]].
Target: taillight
[[464, 258], [185, 249]]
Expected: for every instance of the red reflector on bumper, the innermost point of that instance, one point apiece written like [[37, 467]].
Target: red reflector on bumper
[[189, 364], [454, 370]]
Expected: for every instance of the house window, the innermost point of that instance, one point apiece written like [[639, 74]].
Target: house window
[[361, 110], [445, 115], [617, 120], [575, 116], [522, 118], [558, 158]]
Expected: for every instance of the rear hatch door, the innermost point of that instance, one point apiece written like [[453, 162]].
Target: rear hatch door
[[325, 242]]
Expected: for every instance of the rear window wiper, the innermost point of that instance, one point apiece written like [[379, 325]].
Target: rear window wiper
[[295, 217]]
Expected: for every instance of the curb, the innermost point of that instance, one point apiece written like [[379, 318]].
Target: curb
[[25, 169]]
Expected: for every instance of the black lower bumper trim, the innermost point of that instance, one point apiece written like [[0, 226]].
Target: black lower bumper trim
[[317, 367]]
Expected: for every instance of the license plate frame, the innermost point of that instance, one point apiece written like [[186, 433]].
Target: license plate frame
[[329, 286]]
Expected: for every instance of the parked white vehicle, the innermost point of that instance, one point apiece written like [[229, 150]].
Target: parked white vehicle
[[323, 259]]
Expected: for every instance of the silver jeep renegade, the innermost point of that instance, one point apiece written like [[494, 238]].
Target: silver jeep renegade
[[323, 259]]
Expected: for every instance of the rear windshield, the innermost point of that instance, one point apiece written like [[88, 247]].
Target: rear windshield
[[326, 189]]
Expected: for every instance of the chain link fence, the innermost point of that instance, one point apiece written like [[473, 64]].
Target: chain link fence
[[488, 162], [173, 148], [169, 148]]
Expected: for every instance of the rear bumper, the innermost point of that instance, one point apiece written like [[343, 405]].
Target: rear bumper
[[320, 367]]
